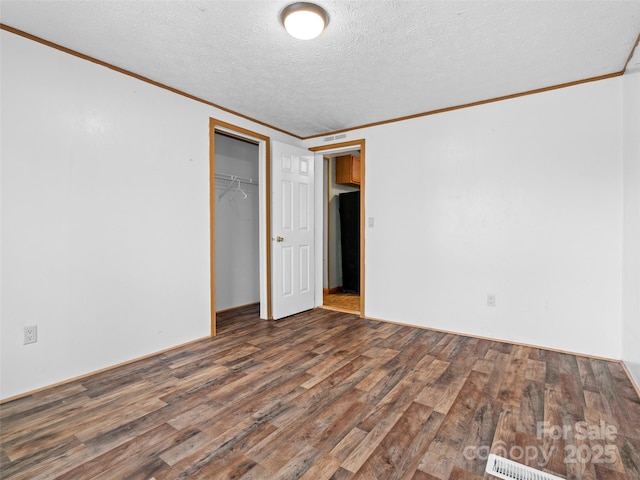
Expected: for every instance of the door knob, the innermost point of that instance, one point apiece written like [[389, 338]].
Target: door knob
[[279, 239]]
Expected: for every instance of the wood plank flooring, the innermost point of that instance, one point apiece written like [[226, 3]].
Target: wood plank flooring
[[342, 302], [326, 395]]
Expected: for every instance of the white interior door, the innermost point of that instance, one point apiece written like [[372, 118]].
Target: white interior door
[[292, 230]]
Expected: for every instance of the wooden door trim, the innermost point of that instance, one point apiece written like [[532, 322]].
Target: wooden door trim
[[360, 145], [222, 126], [328, 234]]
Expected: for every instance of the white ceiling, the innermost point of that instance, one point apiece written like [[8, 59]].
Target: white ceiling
[[377, 60]]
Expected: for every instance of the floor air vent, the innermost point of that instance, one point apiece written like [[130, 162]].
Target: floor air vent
[[509, 470]]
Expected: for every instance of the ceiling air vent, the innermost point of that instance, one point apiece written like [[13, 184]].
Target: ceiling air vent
[[509, 470], [334, 137]]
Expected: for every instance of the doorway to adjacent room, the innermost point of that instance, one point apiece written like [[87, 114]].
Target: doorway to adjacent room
[[343, 177], [341, 277]]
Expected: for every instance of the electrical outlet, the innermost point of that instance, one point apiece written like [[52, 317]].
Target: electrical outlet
[[30, 334], [491, 300]]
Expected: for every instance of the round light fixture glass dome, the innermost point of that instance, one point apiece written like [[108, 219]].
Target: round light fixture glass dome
[[303, 20]]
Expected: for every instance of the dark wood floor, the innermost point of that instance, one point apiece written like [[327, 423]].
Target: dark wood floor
[[325, 394]]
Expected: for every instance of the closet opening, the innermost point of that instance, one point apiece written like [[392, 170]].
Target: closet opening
[[234, 291], [237, 222]]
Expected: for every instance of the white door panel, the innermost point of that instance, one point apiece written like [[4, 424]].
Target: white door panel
[[292, 243]]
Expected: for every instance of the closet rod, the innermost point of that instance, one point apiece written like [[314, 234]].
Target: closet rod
[[245, 180]]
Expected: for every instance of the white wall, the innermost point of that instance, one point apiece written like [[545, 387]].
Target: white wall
[[105, 216], [631, 238], [519, 198], [237, 225]]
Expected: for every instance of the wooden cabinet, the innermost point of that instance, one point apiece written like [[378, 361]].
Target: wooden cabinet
[[348, 170]]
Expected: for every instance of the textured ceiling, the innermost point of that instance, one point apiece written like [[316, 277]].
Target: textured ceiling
[[377, 60]]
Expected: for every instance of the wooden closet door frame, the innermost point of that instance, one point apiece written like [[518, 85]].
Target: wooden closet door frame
[[264, 142]]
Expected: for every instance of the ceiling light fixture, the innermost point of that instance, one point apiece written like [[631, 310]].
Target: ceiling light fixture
[[304, 20]]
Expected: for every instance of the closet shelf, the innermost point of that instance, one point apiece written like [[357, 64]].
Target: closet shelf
[[235, 178]]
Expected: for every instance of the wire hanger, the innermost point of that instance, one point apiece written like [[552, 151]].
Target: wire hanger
[[240, 191], [228, 189]]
